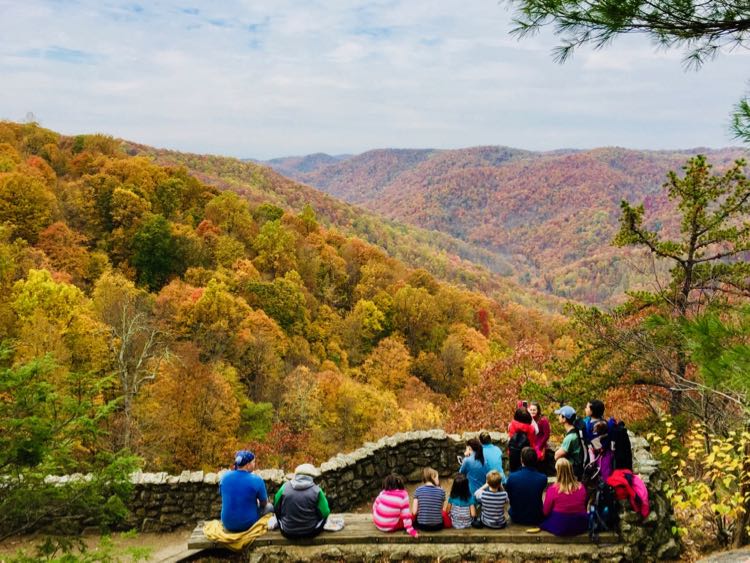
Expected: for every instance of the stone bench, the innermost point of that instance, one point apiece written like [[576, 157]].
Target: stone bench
[[360, 540]]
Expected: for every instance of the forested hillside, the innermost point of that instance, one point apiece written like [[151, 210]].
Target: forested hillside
[[554, 214], [441, 254], [204, 319]]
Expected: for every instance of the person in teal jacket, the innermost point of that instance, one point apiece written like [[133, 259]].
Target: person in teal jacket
[[301, 506]]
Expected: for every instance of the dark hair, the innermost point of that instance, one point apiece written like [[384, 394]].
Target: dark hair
[[528, 457], [460, 487], [522, 415], [601, 428], [393, 482], [538, 407], [485, 438], [597, 408], [476, 447]]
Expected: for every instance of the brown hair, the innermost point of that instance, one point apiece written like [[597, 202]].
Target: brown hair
[[429, 475], [494, 480], [566, 481], [393, 482]]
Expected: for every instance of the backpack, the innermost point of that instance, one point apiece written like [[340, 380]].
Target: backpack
[[517, 442], [603, 511], [581, 460], [620, 443]]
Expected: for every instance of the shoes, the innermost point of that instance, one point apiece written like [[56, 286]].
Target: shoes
[[273, 523]]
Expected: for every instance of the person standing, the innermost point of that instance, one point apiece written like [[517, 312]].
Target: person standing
[[525, 488], [244, 498], [541, 429], [572, 447]]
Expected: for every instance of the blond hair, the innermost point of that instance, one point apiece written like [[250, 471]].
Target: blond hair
[[429, 475], [566, 481], [494, 480]]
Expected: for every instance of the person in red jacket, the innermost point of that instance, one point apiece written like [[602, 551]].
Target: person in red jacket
[[519, 427]]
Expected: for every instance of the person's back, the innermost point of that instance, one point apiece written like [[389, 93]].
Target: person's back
[[492, 499], [493, 456], [390, 511], [301, 506], [428, 502], [461, 503], [243, 494], [565, 503], [473, 465], [525, 488]]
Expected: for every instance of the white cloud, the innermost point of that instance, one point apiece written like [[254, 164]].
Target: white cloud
[[267, 78]]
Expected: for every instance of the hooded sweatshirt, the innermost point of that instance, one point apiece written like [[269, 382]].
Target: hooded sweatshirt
[[300, 505]]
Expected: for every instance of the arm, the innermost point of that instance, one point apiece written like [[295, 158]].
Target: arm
[[323, 507], [277, 496], [406, 518], [473, 511], [415, 507], [544, 431], [549, 500], [262, 497]]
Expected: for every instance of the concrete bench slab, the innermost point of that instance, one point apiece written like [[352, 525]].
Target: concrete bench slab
[[360, 530]]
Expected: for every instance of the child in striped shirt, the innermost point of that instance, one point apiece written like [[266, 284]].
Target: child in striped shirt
[[492, 501], [461, 503], [427, 505], [390, 511]]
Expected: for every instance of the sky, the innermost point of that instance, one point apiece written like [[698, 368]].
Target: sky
[[262, 79]]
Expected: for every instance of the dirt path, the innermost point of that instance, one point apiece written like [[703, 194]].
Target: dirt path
[[158, 547]]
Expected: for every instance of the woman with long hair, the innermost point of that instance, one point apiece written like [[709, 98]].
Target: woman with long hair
[[565, 503], [541, 430], [473, 465]]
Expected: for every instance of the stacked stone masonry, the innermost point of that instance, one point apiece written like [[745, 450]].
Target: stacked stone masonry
[[163, 502]]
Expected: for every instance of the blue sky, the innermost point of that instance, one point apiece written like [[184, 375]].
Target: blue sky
[[270, 78]]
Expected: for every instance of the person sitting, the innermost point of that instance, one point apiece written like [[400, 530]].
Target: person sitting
[[542, 430], [244, 498], [461, 504], [565, 511], [390, 511], [301, 506], [493, 456], [473, 465], [427, 505], [525, 488], [492, 500], [572, 447], [521, 435]]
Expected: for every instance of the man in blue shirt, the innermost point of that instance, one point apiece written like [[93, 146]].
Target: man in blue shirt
[[244, 498], [525, 488], [493, 456]]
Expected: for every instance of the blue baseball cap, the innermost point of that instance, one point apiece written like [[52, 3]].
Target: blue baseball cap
[[242, 458], [567, 411]]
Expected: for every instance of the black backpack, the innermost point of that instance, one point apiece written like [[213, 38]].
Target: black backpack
[[517, 442], [603, 511], [623, 451]]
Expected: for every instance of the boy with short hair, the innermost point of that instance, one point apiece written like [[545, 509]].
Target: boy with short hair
[[493, 499]]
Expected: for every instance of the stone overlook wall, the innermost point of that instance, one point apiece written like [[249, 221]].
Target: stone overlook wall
[[162, 502]]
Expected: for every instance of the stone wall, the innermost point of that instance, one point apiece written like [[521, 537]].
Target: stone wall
[[162, 502]]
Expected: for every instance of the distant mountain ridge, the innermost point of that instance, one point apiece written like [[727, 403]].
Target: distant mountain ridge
[[555, 213]]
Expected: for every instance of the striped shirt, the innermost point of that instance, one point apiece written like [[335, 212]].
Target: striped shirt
[[461, 512], [390, 511], [430, 506], [492, 508]]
